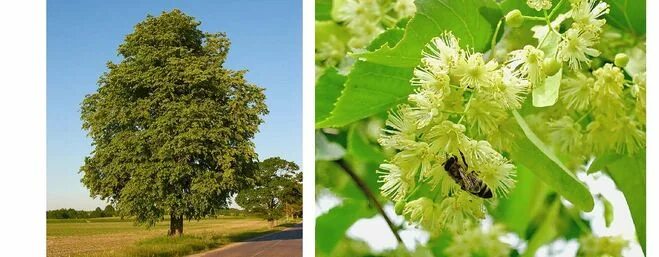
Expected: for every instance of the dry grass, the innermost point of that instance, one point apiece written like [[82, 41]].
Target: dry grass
[[114, 237]]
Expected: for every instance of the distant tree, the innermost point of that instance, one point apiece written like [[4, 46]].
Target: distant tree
[[108, 211], [277, 191], [171, 127], [97, 213]]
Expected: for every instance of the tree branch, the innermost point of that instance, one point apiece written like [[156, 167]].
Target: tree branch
[[374, 201]]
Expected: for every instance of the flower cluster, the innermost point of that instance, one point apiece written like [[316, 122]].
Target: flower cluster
[[365, 19], [476, 241], [358, 22], [591, 246], [598, 113], [456, 89]]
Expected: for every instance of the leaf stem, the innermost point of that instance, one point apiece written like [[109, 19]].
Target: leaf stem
[[494, 37], [553, 11], [371, 197], [471, 96]]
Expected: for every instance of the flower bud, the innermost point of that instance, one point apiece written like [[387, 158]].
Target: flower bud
[[514, 18], [400, 205], [551, 66], [621, 60]]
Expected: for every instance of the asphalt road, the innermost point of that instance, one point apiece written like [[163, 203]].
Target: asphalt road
[[286, 243]]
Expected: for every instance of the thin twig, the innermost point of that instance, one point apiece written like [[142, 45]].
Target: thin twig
[[360, 183]]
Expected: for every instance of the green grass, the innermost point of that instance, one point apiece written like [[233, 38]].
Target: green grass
[[111, 237]]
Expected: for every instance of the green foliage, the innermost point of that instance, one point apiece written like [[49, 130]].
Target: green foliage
[[370, 89], [628, 173], [171, 127], [472, 21], [628, 15], [536, 156], [81, 214], [277, 191]]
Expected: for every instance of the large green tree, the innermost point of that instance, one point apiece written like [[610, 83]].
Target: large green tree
[[171, 127], [277, 191]]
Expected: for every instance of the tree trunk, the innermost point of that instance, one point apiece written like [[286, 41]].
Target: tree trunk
[[175, 225]]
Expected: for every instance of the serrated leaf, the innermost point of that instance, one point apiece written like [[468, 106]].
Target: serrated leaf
[[389, 38], [627, 15], [628, 173], [328, 90], [547, 94], [331, 227], [370, 89], [326, 150], [536, 156], [473, 21]]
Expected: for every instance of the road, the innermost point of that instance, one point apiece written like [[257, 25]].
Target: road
[[286, 243]]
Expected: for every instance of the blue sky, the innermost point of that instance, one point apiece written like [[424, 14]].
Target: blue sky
[[82, 36]]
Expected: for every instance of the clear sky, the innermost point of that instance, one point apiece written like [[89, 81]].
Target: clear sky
[[82, 36]]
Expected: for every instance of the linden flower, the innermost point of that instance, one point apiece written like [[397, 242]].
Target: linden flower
[[359, 12], [585, 14], [429, 78], [475, 72], [591, 246], [539, 4], [399, 131], [608, 86], [528, 61], [629, 137], [405, 8], [424, 212], [476, 241], [426, 108], [576, 48], [442, 52], [395, 183], [331, 51], [497, 172], [566, 133], [577, 91]]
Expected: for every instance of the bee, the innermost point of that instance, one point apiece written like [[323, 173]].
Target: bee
[[468, 181]]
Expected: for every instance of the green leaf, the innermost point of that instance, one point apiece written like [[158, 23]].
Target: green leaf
[[608, 211], [472, 21], [323, 10], [370, 89], [601, 161], [628, 173], [328, 89], [547, 230], [547, 94], [528, 195], [326, 150], [389, 38], [627, 15], [536, 156], [360, 148], [331, 227]]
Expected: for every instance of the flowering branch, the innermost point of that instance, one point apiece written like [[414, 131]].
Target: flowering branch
[[371, 197]]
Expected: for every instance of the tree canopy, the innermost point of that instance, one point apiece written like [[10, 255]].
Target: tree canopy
[[171, 127], [278, 190]]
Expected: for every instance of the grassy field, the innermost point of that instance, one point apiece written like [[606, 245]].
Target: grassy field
[[110, 237]]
